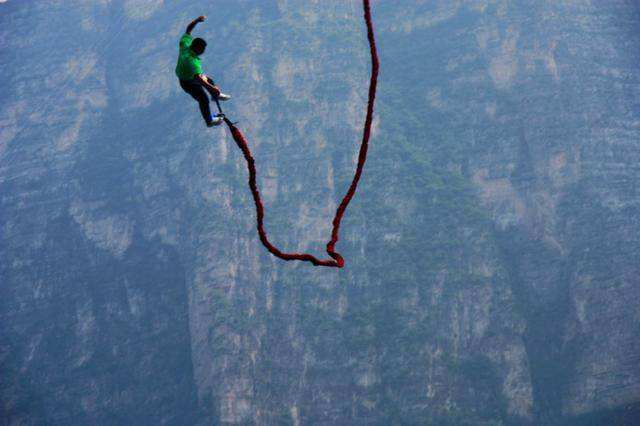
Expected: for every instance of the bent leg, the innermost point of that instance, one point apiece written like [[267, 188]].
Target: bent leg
[[216, 90], [197, 92]]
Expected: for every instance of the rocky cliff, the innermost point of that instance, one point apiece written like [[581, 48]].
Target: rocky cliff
[[492, 249]]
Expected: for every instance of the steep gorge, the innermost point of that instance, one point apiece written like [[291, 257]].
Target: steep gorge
[[493, 246]]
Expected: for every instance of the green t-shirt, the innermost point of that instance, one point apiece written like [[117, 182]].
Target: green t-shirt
[[188, 62]]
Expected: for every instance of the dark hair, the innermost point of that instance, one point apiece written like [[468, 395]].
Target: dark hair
[[198, 45]]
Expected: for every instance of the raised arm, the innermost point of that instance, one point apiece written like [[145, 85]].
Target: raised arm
[[195, 22]]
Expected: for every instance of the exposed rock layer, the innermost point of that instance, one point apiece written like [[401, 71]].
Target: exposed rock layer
[[492, 248]]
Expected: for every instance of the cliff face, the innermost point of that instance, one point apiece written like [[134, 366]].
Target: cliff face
[[492, 249]]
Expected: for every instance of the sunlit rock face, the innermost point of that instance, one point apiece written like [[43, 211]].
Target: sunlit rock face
[[492, 249]]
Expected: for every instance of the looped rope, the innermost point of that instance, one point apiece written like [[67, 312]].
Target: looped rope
[[336, 260]]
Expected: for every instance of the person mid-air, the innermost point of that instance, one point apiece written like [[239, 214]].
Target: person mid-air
[[192, 80]]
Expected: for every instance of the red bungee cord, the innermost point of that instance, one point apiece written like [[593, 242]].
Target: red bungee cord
[[336, 260]]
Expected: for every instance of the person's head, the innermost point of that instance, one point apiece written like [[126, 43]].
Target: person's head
[[198, 45]]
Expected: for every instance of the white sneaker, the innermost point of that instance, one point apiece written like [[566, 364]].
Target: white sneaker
[[215, 121], [223, 97]]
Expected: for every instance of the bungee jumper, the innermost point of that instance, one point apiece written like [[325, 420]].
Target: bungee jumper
[[192, 80], [193, 69]]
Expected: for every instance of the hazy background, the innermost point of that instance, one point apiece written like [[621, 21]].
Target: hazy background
[[493, 247]]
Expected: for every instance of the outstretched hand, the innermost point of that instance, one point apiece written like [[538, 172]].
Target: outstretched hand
[[195, 22]]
